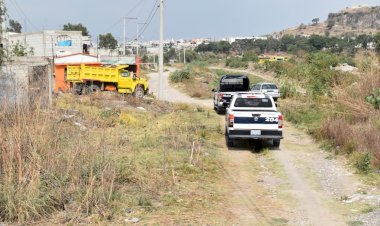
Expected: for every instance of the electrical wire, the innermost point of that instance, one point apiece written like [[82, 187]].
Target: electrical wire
[[112, 26], [19, 9], [149, 18], [139, 2]]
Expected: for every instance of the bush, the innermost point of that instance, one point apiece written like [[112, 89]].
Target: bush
[[236, 62], [287, 90], [374, 98], [362, 162], [179, 76]]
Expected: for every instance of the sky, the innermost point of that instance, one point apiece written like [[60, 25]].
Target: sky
[[189, 19]]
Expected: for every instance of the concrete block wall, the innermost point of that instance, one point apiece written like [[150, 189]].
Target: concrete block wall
[[24, 80], [45, 43]]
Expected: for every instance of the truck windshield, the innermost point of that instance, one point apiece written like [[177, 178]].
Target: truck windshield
[[253, 102]]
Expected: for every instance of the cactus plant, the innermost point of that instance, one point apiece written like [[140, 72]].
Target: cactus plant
[[374, 98]]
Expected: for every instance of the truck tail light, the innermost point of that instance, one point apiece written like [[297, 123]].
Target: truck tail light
[[280, 121], [231, 120], [220, 95]]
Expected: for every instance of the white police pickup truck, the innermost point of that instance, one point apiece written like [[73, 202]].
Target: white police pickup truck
[[253, 116]]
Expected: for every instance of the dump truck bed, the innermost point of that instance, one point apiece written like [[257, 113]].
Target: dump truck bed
[[103, 74]]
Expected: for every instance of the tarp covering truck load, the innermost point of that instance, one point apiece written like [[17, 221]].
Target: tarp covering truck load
[[121, 78]]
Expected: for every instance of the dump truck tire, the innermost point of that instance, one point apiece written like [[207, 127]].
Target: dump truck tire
[[139, 92]]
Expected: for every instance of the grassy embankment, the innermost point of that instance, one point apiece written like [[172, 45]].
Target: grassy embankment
[[331, 105], [100, 159], [197, 79]]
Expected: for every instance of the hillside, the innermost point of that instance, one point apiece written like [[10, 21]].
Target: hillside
[[357, 19]]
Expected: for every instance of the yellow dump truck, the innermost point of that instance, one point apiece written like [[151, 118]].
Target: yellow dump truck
[[122, 78], [267, 58]]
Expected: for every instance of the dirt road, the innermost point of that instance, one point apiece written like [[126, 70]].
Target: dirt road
[[171, 94], [297, 185]]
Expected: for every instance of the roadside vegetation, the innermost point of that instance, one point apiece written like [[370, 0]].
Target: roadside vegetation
[[332, 106], [197, 79], [104, 159]]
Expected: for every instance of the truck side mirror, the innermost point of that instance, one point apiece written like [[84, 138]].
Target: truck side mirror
[[134, 76]]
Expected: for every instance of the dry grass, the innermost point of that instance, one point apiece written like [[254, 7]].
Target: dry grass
[[355, 127], [343, 116], [92, 157], [200, 84]]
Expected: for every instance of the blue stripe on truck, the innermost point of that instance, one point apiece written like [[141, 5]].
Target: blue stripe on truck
[[252, 120]]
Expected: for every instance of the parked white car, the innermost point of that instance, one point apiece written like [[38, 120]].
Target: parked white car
[[269, 88]]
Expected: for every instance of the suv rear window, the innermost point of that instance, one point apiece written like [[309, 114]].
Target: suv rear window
[[256, 87], [269, 86], [253, 102]]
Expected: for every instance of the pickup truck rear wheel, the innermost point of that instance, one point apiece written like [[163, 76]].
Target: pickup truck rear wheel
[[276, 143], [219, 111], [229, 141]]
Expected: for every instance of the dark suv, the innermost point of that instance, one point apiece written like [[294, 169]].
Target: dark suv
[[228, 85]]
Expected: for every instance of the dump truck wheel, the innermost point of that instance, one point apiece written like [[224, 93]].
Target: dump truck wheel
[[139, 92], [88, 89], [94, 89]]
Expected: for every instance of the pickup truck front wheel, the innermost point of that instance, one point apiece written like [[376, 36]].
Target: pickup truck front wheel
[[276, 143], [229, 141]]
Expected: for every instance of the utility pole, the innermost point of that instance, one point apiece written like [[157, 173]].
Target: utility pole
[[3, 29], [161, 52], [125, 30], [184, 55], [50, 98]]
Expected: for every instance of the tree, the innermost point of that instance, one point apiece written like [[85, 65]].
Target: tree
[[169, 54], [14, 26], [76, 27], [216, 47], [286, 41], [20, 50], [272, 44], [107, 41], [363, 40], [317, 41], [315, 21]]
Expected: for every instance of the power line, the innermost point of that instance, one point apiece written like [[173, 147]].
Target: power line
[[122, 18], [149, 18], [133, 8], [18, 8], [113, 25]]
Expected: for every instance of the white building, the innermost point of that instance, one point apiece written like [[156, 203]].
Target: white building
[[234, 39], [49, 43]]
